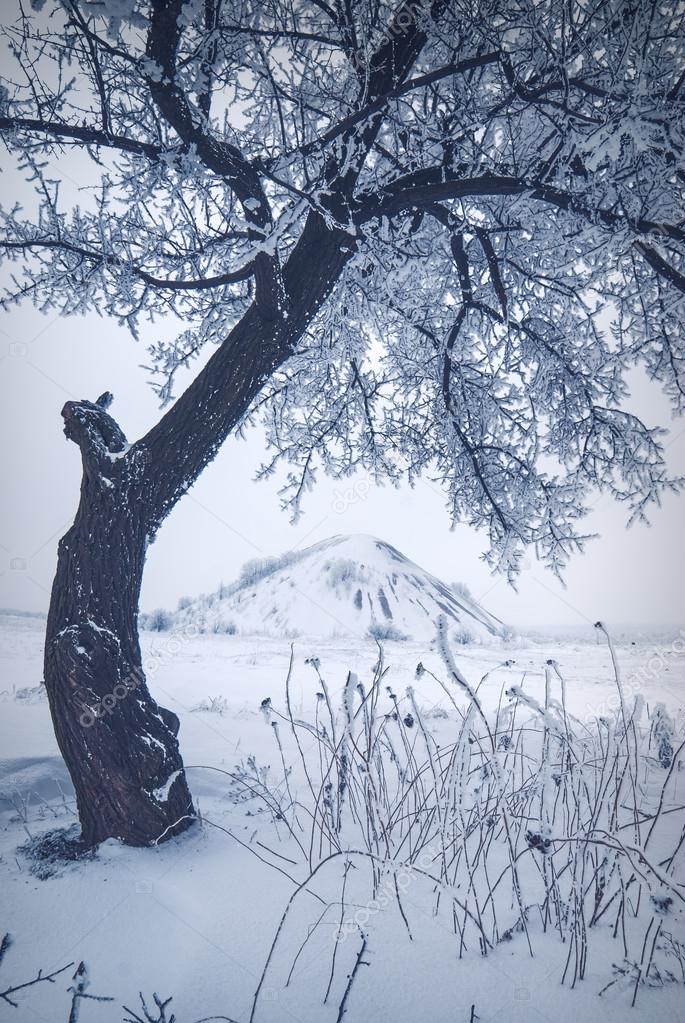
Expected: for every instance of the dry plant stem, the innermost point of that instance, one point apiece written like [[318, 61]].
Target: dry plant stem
[[286, 775], [292, 721], [669, 775], [461, 681], [463, 816], [401, 907], [360, 961], [340, 924], [632, 768], [40, 978], [246, 845], [310, 933], [303, 886], [273, 806]]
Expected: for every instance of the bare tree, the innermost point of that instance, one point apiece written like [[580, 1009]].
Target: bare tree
[[398, 223]]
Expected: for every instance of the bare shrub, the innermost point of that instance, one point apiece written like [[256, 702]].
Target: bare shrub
[[259, 568], [158, 620], [213, 705], [386, 632], [343, 571], [224, 627]]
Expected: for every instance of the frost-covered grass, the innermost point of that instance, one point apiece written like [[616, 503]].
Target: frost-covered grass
[[528, 822]]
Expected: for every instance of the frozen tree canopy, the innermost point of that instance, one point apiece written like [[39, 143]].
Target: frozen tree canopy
[[420, 209]]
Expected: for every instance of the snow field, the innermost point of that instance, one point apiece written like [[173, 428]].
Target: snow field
[[287, 879]]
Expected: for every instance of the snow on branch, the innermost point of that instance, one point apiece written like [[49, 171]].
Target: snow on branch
[[452, 232]]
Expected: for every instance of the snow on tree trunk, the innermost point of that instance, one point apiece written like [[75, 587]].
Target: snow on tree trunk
[[119, 745]]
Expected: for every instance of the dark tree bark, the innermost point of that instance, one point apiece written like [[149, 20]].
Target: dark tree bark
[[120, 746]]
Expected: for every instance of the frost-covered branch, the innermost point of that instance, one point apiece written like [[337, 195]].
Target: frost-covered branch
[[424, 237]]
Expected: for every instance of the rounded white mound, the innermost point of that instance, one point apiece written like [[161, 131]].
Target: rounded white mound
[[346, 586]]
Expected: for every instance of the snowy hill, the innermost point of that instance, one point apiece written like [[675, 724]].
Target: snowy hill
[[345, 586]]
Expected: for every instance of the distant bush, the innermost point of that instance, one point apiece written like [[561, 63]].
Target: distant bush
[[256, 569], [224, 627], [158, 620], [183, 603], [259, 568], [386, 632], [252, 572], [461, 590], [463, 635], [213, 705], [30, 694], [343, 570]]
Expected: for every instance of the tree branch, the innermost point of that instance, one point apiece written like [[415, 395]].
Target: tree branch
[[40, 978], [221, 157], [411, 85], [438, 184], [82, 134], [662, 268], [189, 435], [387, 70], [105, 259]]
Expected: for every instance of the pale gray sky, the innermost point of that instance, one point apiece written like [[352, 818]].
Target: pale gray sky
[[631, 575]]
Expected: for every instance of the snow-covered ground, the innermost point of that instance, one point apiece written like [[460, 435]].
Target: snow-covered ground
[[195, 918]]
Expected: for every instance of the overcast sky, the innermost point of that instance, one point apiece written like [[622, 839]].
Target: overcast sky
[[626, 576]]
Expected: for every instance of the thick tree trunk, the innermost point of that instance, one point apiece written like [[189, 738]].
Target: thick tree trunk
[[120, 747]]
